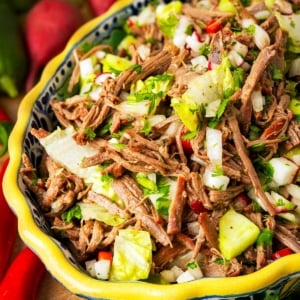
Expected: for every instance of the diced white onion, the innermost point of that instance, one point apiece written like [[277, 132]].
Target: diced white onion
[[155, 119], [90, 267], [143, 51], [295, 67], [258, 101], [193, 42], [240, 48], [102, 268], [94, 94], [260, 37], [86, 67], [214, 145], [218, 182], [100, 54], [180, 35], [146, 16], [171, 274], [189, 275], [200, 63], [235, 58], [284, 170], [293, 190]]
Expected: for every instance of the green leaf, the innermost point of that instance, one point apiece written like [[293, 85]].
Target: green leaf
[[132, 258], [265, 237], [73, 213]]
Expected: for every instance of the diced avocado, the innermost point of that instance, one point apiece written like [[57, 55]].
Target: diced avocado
[[236, 234]]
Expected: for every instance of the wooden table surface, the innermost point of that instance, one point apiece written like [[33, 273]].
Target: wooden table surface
[[49, 289]]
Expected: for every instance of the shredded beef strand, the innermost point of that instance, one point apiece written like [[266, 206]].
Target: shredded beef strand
[[243, 153]]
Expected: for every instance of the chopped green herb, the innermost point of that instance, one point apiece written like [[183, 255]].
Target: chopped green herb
[[265, 237], [89, 132], [73, 213]]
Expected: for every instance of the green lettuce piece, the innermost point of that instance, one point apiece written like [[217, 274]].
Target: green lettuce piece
[[188, 112], [146, 95], [167, 19], [227, 6], [74, 213], [132, 255], [204, 89], [115, 64], [290, 24], [93, 211], [157, 190]]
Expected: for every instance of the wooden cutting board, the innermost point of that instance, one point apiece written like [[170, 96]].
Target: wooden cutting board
[[49, 289]]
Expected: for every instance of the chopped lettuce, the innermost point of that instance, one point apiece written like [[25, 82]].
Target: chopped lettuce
[[167, 18], [290, 24], [205, 89], [74, 213], [132, 255], [115, 64], [93, 211], [158, 189], [61, 146], [146, 95]]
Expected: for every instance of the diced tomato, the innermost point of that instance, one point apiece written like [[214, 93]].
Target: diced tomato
[[105, 255], [187, 146], [213, 26], [281, 253], [197, 207]]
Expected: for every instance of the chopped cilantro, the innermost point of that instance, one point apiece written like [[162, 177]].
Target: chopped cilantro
[[89, 132], [73, 213]]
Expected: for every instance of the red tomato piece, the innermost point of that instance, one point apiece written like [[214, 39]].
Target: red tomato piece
[[105, 255], [281, 253], [213, 26]]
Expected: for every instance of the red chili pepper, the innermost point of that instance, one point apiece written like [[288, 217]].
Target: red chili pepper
[[23, 278], [213, 26], [281, 253], [8, 227], [197, 207], [5, 129]]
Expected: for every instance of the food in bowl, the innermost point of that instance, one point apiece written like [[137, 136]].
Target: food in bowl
[[175, 152]]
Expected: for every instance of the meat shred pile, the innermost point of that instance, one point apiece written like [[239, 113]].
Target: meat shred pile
[[169, 143]]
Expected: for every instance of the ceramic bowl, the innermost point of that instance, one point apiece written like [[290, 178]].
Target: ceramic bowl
[[280, 278]]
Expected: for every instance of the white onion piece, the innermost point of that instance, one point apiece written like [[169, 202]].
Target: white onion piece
[[284, 170], [240, 48], [295, 67], [214, 145], [193, 42], [143, 51], [180, 35], [199, 63], [260, 37], [235, 58], [215, 181], [100, 78], [86, 67], [258, 101]]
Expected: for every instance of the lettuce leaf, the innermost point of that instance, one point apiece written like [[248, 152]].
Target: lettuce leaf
[[132, 255], [93, 211], [290, 24], [203, 90], [167, 19]]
